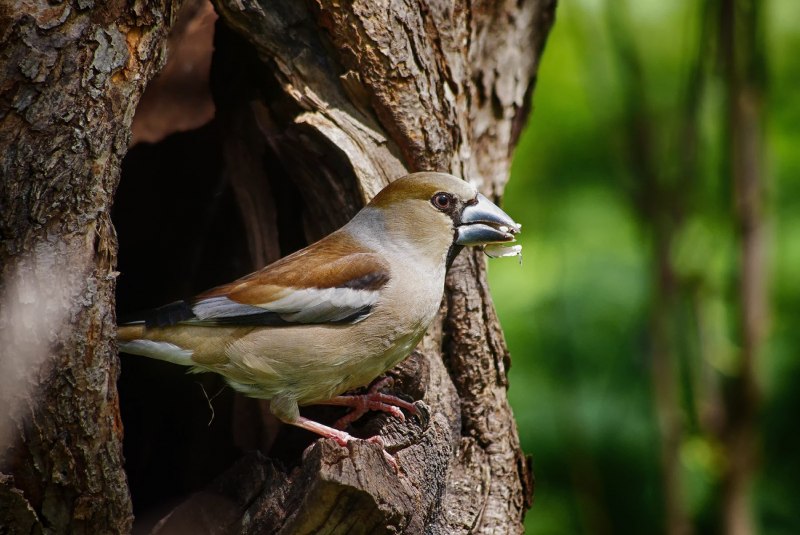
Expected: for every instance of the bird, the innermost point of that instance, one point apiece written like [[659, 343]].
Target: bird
[[336, 315]]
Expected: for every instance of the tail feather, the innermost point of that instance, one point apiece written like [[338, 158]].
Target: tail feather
[[132, 339], [158, 350], [131, 331], [163, 316]]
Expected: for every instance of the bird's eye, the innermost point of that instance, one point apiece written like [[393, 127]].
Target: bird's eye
[[442, 201]]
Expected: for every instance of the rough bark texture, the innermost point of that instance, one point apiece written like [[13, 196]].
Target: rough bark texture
[[350, 97], [70, 76]]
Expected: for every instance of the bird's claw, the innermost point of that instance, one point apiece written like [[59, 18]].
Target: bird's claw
[[391, 461], [372, 401], [377, 439], [380, 384]]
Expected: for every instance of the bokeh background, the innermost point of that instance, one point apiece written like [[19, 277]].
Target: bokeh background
[[654, 323]]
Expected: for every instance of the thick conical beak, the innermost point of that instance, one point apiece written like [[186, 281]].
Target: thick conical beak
[[482, 222]]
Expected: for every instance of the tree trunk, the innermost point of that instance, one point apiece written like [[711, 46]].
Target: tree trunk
[[71, 74], [318, 106], [742, 49]]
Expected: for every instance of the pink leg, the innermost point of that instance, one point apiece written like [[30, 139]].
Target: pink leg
[[373, 400], [380, 384], [340, 437]]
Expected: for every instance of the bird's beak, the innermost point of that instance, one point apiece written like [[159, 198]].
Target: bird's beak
[[482, 222]]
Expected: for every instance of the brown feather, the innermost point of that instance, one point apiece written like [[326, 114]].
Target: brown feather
[[337, 263]]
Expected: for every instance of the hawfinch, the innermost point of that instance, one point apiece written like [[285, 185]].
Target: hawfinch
[[333, 316]]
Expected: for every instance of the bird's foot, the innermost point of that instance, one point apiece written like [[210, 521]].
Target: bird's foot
[[342, 437], [386, 455], [373, 400], [381, 383]]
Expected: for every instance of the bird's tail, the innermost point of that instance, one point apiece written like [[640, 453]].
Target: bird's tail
[[132, 338], [130, 331]]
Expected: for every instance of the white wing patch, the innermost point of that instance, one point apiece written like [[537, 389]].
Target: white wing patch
[[309, 305], [313, 305], [158, 350], [222, 307]]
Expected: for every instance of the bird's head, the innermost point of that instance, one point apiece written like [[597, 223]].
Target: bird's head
[[439, 213]]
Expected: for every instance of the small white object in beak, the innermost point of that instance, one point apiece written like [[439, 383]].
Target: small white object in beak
[[498, 250]]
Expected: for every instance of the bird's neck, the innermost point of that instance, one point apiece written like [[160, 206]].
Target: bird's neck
[[400, 240]]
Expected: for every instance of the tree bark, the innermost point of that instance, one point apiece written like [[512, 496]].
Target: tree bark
[[71, 74], [318, 106]]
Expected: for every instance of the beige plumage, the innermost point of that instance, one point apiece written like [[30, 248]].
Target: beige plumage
[[333, 316]]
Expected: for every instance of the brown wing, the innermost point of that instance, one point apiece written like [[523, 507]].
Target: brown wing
[[333, 280]]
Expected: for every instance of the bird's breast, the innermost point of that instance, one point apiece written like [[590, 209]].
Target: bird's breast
[[317, 362]]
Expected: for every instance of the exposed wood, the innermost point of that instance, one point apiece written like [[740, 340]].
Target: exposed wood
[[178, 99]]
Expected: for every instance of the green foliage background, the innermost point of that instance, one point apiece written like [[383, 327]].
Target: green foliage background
[[577, 312]]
